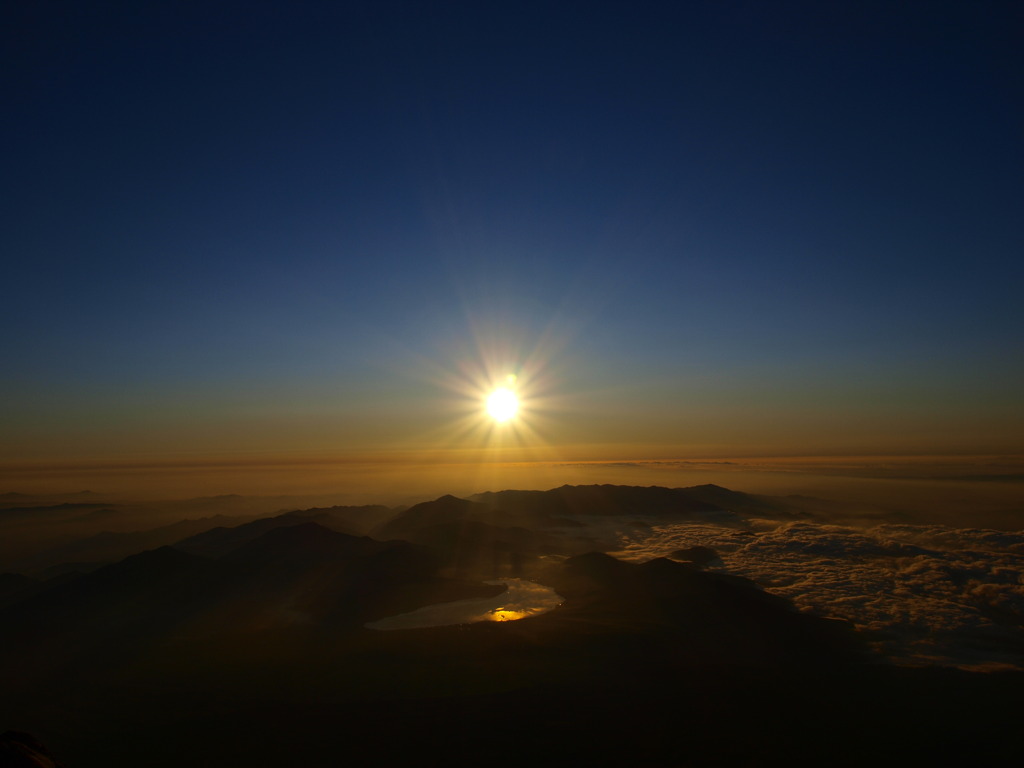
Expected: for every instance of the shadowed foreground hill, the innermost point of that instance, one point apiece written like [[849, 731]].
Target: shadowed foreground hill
[[701, 618], [302, 575], [259, 657]]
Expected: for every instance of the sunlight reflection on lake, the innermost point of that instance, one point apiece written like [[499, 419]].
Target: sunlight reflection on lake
[[522, 599]]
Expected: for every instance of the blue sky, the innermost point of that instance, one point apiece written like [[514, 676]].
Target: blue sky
[[787, 227]]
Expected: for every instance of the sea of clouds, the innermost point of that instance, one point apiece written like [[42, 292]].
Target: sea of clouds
[[921, 593]]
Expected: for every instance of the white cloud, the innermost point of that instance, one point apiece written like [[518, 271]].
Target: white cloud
[[925, 593]]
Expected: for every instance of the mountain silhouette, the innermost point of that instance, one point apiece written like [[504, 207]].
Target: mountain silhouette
[[221, 540], [570, 501], [746, 504], [143, 592], [713, 618], [505, 533], [298, 575], [359, 519], [107, 547], [440, 511], [248, 646]]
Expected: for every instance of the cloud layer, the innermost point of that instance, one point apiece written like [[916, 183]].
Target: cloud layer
[[924, 593]]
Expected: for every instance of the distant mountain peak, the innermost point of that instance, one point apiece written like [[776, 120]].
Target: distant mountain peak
[[303, 542], [449, 498]]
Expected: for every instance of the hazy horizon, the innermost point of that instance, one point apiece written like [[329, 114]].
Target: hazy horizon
[[979, 487]]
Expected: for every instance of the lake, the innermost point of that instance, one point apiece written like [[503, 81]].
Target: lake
[[522, 599]]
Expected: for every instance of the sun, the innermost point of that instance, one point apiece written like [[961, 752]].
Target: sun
[[502, 404]]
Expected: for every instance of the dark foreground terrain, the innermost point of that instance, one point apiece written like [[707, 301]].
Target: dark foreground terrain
[[246, 646]]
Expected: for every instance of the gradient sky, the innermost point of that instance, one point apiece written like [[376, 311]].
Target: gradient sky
[[690, 229]]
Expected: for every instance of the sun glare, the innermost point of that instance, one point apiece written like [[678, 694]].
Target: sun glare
[[497, 413], [502, 404]]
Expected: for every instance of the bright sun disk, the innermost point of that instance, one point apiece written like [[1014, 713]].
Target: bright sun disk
[[502, 404]]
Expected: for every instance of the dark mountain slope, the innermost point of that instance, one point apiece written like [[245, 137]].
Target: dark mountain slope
[[147, 592], [15, 587], [219, 541], [109, 547], [474, 540], [444, 510], [570, 501], [653, 664], [340, 580], [700, 617], [295, 577], [506, 532], [359, 520], [746, 504]]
